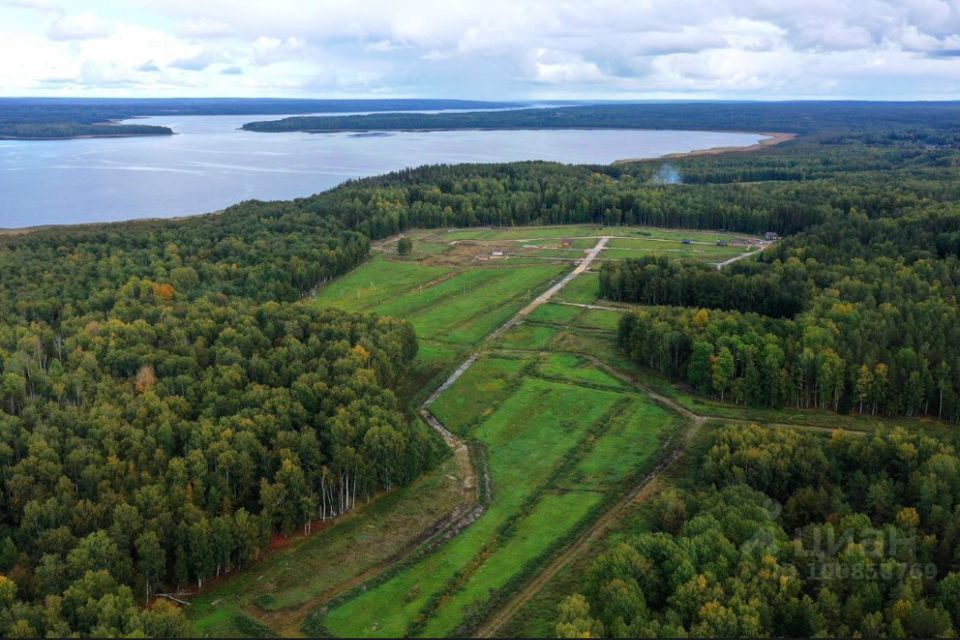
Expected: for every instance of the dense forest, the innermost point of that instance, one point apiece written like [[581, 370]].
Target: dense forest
[[53, 130], [855, 314], [166, 405], [780, 533], [782, 292], [49, 118], [910, 119], [167, 402]]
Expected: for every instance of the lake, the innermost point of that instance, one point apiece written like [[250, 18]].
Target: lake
[[210, 164]]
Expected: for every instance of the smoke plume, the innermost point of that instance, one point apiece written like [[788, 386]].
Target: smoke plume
[[667, 174]]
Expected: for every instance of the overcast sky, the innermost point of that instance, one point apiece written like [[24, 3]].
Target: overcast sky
[[589, 49]]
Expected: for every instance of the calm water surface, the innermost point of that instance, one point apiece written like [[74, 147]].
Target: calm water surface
[[211, 164]]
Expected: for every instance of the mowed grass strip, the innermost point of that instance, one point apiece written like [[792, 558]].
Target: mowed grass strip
[[549, 521], [577, 369], [632, 437], [543, 419], [555, 313], [478, 392], [443, 304], [697, 241], [524, 233], [584, 289], [589, 342], [599, 319], [619, 443], [377, 281], [467, 316], [420, 297], [529, 435], [388, 609], [585, 231], [697, 253], [527, 336], [433, 352]]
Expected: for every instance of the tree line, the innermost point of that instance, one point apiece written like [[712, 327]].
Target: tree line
[[39, 118], [168, 442], [852, 315], [784, 534], [880, 122], [40, 130], [167, 404], [780, 293]]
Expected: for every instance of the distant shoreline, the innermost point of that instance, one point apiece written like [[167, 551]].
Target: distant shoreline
[[122, 131], [83, 136], [518, 128], [13, 231], [773, 138]]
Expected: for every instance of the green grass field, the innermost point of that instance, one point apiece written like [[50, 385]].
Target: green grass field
[[458, 306], [563, 438], [527, 336], [577, 369], [582, 231], [528, 245], [656, 245], [701, 253], [553, 313], [489, 381], [376, 282], [451, 308], [540, 437], [599, 319], [559, 435], [582, 290]]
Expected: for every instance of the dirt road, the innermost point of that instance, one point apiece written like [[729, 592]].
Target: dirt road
[[601, 307], [671, 452], [459, 446], [544, 297]]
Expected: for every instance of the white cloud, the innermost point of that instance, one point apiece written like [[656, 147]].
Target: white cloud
[[490, 48], [204, 28], [268, 50], [39, 5], [384, 46], [559, 67], [81, 26]]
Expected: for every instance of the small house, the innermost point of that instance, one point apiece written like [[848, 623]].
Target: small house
[[721, 243], [496, 253], [566, 243], [770, 235]]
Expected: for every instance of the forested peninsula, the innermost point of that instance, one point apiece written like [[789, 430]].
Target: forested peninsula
[[57, 118], [60, 130], [168, 403], [795, 117]]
